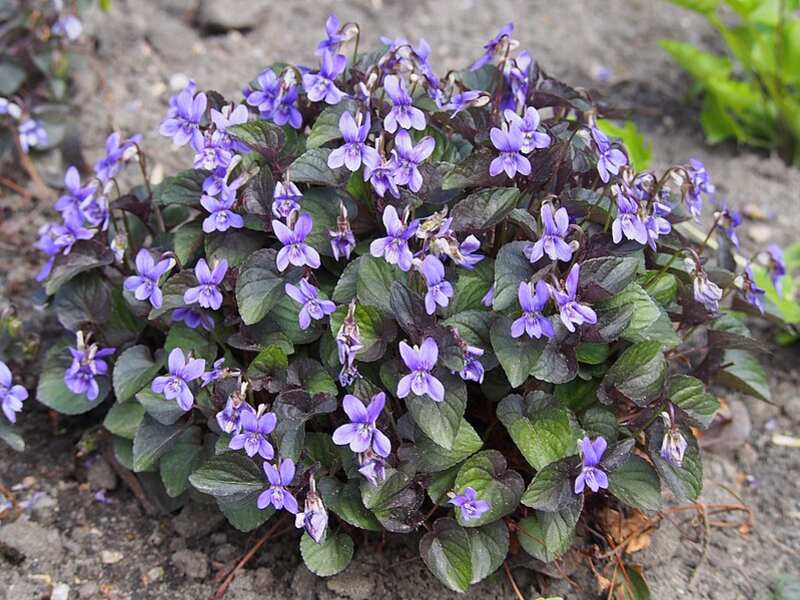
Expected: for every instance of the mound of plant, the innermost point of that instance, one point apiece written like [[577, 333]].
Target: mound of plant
[[752, 92], [387, 301]]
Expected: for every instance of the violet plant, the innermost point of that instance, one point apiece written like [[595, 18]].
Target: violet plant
[[446, 306]]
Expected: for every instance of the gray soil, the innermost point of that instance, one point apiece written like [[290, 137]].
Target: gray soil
[[70, 545]]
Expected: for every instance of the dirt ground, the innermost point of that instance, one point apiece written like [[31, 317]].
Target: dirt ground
[[69, 544]]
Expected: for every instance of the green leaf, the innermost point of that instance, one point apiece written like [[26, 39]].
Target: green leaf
[[689, 394], [517, 356], [484, 209], [686, 481], [375, 278], [86, 299], [440, 421], [183, 189], [344, 499], [285, 315], [599, 420], [152, 440], [258, 287], [228, 475], [639, 374], [745, 374], [123, 419], [12, 76], [510, 267], [326, 127], [323, 206], [592, 353], [544, 431], [179, 462], [470, 288], [472, 171], [233, 245], [312, 167], [374, 329], [329, 557], [606, 276], [548, 535], [11, 437], [700, 65], [191, 340], [345, 289], [242, 510], [260, 136], [636, 483], [172, 292], [430, 457], [133, 371], [187, 241], [85, 256], [639, 150], [486, 472], [157, 406], [51, 390], [268, 369], [551, 489]]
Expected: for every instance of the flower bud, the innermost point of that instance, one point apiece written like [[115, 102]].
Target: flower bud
[[674, 445], [314, 518]]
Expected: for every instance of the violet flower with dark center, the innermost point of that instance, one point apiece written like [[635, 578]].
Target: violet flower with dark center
[[221, 217], [609, 159], [31, 134], [493, 46], [314, 307], [175, 386], [216, 181], [214, 153], [11, 396], [673, 445], [533, 299], [628, 222], [69, 233], [342, 239], [752, 292], [193, 318], [314, 518], [573, 312], [252, 436], [473, 368], [285, 199], [295, 251], [776, 266], [706, 292], [320, 86], [698, 184], [69, 204], [355, 150], [184, 126], [144, 284], [381, 176], [207, 294], [117, 152], [87, 363], [287, 110], [439, 290], [508, 141], [591, 475], [394, 247], [266, 97], [96, 212], [420, 360], [407, 158], [528, 126], [229, 418], [555, 227], [362, 432], [403, 113], [372, 467], [277, 494], [467, 501]]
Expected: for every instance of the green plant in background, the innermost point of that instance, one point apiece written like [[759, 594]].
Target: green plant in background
[[640, 151], [751, 95], [783, 301]]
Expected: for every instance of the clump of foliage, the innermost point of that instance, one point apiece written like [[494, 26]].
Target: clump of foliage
[[752, 94], [388, 301]]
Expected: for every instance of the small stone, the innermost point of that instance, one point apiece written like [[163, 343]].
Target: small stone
[[32, 541], [219, 538], [225, 553], [232, 14], [155, 574], [792, 409], [44, 510], [197, 520], [111, 557], [60, 592], [88, 590], [192, 564], [354, 587], [101, 476], [303, 582]]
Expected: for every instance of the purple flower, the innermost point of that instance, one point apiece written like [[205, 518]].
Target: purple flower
[[533, 300], [277, 495], [421, 361], [508, 141], [11, 396], [86, 364], [674, 445], [175, 386], [729, 220], [229, 116], [144, 285], [491, 47], [31, 133], [471, 507], [776, 266], [295, 250], [394, 247], [372, 467], [656, 225], [216, 181], [66, 235], [342, 239], [752, 292], [95, 211], [285, 199], [528, 125], [333, 38], [488, 298], [591, 474], [214, 153], [69, 205], [609, 159], [516, 73], [462, 100], [221, 217], [706, 292], [473, 369], [68, 26], [381, 176], [551, 242], [439, 290], [229, 418], [314, 518], [573, 312], [253, 434], [698, 183], [321, 86], [407, 158], [348, 344], [10, 108], [362, 432], [216, 373], [403, 113], [287, 110], [193, 318], [207, 294], [355, 150], [184, 125], [627, 221], [313, 307], [267, 97], [467, 256], [116, 154]]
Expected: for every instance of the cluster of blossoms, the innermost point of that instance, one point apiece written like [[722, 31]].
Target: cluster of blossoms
[[30, 132]]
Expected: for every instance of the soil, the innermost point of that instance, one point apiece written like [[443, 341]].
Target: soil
[[70, 543]]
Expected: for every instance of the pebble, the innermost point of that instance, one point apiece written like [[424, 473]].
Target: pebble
[[155, 574], [101, 476], [111, 557], [303, 582], [191, 563], [196, 521], [60, 592], [32, 541], [88, 590], [354, 587], [792, 409]]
